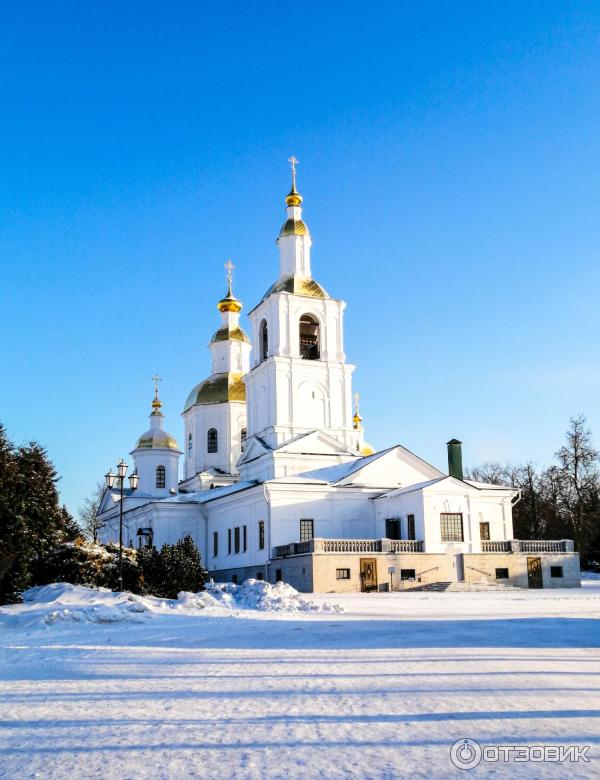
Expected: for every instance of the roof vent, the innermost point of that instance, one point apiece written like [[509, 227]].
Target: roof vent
[[455, 467]]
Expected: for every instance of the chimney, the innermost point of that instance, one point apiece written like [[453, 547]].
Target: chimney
[[455, 468]]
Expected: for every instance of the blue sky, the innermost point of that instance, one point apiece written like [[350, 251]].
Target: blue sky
[[450, 165]]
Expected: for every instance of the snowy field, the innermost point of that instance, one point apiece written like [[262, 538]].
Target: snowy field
[[93, 685]]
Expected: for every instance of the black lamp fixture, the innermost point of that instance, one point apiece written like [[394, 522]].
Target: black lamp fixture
[[110, 483]]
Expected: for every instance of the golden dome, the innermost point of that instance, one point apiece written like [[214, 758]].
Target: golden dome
[[234, 334], [293, 227], [367, 450], [293, 198], [229, 302], [297, 285], [157, 439], [357, 419], [217, 389]]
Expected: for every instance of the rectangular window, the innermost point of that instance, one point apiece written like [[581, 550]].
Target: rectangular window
[[484, 532], [556, 571], [259, 575], [342, 574], [245, 537], [407, 574], [236, 539], [392, 528], [261, 534], [229, 541], [501, 574], [410, 522], [306, 530], [278, 576], [215, 544], [234, 579], [451, 527]]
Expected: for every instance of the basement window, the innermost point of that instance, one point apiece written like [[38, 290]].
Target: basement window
[[407, 574], [342, 574], [556, 571], [501, 574]]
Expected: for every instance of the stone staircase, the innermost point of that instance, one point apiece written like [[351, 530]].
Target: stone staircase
[[463, 587]]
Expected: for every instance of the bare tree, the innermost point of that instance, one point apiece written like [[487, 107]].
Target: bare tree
[[493, 473], [578, 483], [87, 513]]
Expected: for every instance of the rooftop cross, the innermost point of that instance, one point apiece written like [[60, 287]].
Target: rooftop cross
[[156, 379], [293, 161], [229, 266]]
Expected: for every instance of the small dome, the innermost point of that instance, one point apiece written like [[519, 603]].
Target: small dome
[[293, 227], [297, 285], [156, 439], [217, 389], [366, 449], [226, 333]]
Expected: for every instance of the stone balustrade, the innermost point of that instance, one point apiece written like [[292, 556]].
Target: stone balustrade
[[337, 546], [528, 546]]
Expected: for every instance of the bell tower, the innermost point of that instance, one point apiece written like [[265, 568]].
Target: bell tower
[[299, 380]]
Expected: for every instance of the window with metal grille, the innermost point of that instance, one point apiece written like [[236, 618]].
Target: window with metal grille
[[215, 543], [306, 530], [410, 523], [161, 477], [452, 527], [484, 532], [243, 437], [342, 574], [556, 571], [261, 534], [212, 440], [236, 539], [309, 337], [501, 574]]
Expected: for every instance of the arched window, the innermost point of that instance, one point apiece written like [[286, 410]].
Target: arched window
[[160, 477], [212, 440], [190, 445], [264, 340], [309, 337], [243, 437]]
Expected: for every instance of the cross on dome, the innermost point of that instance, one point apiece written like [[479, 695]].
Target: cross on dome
[[294, 198], [156, 403]]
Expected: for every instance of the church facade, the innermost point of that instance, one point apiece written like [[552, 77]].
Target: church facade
[[278, 482]]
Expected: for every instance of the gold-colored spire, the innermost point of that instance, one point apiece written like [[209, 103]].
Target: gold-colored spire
[[357, 419], [156, 403], [293, 198], [229, 302]]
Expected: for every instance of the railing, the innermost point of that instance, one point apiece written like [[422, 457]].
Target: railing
[[349, 546], [480, 571], [495, 547], [528, 546]]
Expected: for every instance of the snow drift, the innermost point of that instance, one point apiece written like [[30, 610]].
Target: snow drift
[[63, 602]]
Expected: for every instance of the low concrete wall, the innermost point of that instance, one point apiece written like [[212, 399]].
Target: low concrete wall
[[297, 571], [481, 567]]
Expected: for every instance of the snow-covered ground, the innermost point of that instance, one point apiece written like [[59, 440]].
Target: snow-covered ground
[[244, 685]]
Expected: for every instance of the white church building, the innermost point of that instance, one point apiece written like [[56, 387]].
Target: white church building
[[278, 482]]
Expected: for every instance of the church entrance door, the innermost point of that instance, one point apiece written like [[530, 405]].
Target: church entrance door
[[368, 574], [534, 572]]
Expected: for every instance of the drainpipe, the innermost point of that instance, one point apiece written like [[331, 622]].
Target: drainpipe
[[268, 531]]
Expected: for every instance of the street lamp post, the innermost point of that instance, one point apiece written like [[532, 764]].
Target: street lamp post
[[133, 483]]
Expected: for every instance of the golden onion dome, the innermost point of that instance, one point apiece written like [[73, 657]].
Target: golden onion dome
[[227, 333], [297, 285], [218, 389], [366, 449], [293, 198], [157, 439], [357, 419], [229, 302]]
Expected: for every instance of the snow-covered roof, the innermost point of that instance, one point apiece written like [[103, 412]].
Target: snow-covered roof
[[333, 474], [202, 496], [412, 488]]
